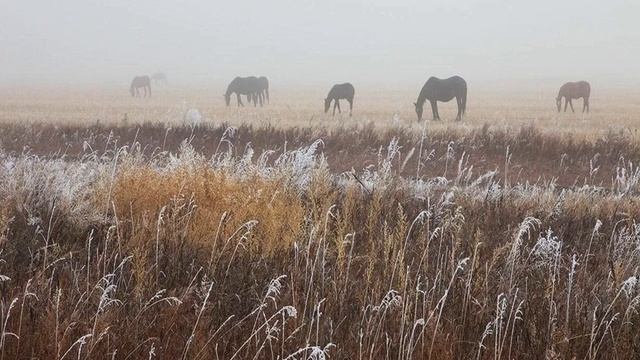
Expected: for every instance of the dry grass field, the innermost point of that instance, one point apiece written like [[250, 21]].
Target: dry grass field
[[284, 233], [612, 109]]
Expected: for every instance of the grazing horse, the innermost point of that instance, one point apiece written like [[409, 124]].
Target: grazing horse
[[574, 90], [140, 82], [444, 90], [263, 89], [160, 77], [243, 86], [337, 92]]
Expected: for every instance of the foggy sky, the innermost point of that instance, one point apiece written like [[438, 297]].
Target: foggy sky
[[391, 42]]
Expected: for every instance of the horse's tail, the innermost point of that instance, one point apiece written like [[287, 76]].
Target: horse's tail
[[266, 92]]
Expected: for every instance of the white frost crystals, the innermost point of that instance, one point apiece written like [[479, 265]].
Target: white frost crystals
[[56, 184]]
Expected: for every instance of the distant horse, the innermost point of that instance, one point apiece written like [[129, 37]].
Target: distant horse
[[337, 92], [443, 90], [263, 87], [243, 86], [574, 90], [160, 77], [140, 82]]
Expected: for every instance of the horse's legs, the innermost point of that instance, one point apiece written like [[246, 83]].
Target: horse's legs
[[239, 100], [335, 104], [566, 103], [149, 90], [434, 109], [350, 107], [338, 102], [585, 105], [459, 116], [571, 104]]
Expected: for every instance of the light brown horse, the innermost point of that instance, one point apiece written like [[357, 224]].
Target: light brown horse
[[138, 82], [574, 90], [160, 78]]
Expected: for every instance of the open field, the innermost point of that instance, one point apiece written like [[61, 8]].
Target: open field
[[612, 110], [283, 233]]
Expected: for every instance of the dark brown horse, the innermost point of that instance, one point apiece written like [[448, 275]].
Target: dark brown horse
[[337, 92], [574, 90], [244, 86], [444, 90], [138, 82]]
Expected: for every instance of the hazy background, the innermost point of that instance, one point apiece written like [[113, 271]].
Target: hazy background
[[304, 43]]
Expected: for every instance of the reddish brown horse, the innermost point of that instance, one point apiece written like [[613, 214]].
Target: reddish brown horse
[[574, 90]]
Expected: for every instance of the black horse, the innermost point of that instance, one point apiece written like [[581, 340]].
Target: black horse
[[574, 90], [337, 92], [263, 86], [444, 90], [138, 82], [248, 86]]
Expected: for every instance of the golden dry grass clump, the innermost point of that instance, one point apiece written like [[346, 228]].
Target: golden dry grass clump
[[211, 206]]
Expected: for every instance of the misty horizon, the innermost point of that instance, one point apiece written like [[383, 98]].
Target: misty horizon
[[296, 43]]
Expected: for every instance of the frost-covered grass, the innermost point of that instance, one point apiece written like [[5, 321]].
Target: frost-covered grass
[[126, 252]]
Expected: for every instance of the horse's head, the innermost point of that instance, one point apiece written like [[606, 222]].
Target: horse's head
[[327, 102], [559, 103], [227, 98], [418, 110]]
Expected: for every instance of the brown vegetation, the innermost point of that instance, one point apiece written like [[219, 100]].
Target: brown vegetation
[[201, 250], [534, 155]]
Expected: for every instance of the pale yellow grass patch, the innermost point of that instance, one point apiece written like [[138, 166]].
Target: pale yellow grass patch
[[612, 110]]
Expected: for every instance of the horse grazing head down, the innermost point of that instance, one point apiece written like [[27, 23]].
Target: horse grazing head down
[[227, 98], [327, 103], [419, 108]]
